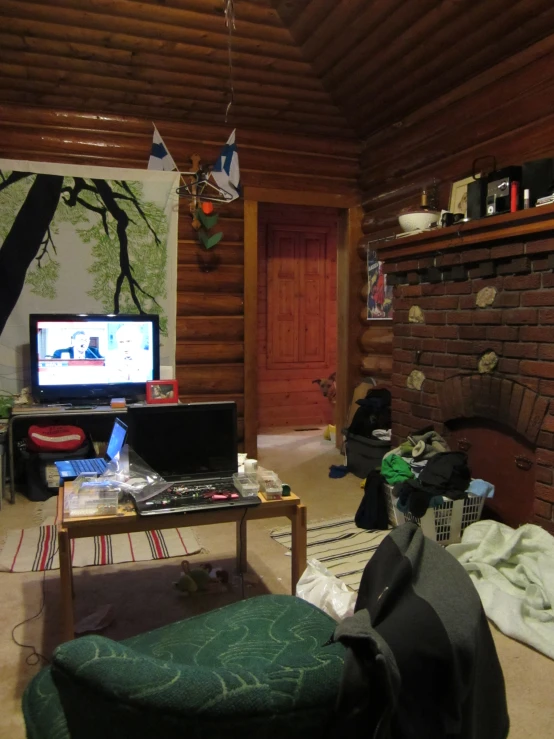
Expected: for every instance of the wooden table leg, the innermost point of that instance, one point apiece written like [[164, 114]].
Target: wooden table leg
[[242, 564], [299, 544], [66, 584]]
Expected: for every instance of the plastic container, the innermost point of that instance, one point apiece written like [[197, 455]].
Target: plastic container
[[92, 498], [444, 524], [270, 485], [247, 485], [363, 454]]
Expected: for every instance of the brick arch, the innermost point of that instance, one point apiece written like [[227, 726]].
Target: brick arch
[[495, 398]]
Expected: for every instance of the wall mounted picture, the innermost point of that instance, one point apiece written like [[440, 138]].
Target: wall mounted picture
[[162, 391], [379, 294]]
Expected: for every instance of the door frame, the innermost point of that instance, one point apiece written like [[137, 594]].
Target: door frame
[[348, 353]]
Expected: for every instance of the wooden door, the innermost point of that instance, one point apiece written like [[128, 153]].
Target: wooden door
[[296, 299], [297, 328]]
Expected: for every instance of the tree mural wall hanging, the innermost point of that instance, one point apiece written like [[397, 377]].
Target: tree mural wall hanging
[[77, 243]]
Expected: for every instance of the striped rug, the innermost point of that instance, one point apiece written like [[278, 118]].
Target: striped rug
[[36, 549], [338, 544]]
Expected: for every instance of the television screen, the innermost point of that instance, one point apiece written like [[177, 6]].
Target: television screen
[[92, 356]]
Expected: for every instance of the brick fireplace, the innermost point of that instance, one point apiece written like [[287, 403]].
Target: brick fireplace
[[504, 419]]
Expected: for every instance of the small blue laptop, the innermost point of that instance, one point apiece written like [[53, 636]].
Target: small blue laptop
[[72, 468]]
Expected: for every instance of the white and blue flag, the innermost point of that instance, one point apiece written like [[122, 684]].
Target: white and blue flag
[[160, 158], [226, 172]]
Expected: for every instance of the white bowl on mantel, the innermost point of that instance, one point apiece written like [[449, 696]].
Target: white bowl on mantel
[[419, 220]]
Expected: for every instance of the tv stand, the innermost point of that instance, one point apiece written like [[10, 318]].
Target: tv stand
[[93, 419]]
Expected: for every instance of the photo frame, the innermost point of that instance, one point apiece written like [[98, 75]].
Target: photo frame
[[458, 195], [379, 294], [162, 391]]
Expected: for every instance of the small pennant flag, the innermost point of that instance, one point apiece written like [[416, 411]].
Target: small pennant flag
[[226, 171], [160, 158]]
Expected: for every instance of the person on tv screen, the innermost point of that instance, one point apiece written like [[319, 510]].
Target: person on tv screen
[[79, 348], [130, 361]]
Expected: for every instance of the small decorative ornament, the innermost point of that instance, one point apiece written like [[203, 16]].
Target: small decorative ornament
[[487, 362], [207, 207], [415, 380], [485, 297], [416, 315]]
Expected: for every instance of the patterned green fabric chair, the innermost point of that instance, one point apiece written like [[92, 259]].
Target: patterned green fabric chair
[[258, 668]]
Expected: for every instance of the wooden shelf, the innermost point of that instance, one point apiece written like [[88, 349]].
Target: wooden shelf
[[506, 227]]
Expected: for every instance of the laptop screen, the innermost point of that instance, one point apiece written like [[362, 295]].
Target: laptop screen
[[194, 440], [117, 439]]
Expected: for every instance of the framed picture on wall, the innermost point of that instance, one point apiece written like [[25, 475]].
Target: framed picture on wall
[[379, 294]]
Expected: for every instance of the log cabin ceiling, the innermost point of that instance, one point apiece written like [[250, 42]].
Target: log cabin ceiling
[[339, 68]]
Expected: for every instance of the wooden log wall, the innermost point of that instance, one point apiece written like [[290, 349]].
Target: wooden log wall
[[508, 112], [210, 322]]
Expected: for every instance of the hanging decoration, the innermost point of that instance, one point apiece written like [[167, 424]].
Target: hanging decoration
[[219, 183]]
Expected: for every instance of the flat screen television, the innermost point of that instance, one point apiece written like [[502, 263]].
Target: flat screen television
[[85, 359]]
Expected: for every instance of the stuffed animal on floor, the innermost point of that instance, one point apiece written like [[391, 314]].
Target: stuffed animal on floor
[[203, 578]]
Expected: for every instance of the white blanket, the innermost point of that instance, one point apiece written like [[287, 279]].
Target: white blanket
[[513, 571]]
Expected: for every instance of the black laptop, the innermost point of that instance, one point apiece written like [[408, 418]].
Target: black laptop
[[194, 447], [71, 469]]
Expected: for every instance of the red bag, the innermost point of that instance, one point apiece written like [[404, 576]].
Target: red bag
[[55, 438]]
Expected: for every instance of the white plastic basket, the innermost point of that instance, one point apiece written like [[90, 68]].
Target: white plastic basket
[[444, 524]]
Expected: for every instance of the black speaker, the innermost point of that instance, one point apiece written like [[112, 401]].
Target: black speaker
[[538, 178], [476, 197]]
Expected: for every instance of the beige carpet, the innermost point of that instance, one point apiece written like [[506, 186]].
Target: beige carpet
[[143, 597]]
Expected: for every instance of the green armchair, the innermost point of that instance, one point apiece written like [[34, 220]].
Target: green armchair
[[255, 668]]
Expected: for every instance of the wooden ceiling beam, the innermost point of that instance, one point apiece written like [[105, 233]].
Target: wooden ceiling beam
[[325, 36], [61, 118], [479, 113], [175, 95], [133, 148], [79, 19], [374, 28], [160, 14], [138, 48], [443, 38], [255, 80], [489, 43], [311, 16], [396, 58], [204, 87], [77, 98], [253, 12], [289, 10]]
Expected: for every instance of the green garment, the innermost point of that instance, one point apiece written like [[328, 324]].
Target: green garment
[[395, 469]]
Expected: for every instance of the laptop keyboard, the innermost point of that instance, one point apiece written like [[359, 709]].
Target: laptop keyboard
[[87, 465], [189, 495], [186, 489]]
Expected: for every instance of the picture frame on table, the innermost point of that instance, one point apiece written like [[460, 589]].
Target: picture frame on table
[[162, 391], [458, 195]]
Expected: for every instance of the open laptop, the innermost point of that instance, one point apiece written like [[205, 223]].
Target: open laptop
[[72, 468], [194, 446]]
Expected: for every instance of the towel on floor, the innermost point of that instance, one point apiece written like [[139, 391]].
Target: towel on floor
[[513, 571]]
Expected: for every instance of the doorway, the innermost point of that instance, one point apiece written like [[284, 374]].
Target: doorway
[[297, 314]]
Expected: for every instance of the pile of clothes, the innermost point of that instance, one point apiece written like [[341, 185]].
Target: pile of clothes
[[422, 472]]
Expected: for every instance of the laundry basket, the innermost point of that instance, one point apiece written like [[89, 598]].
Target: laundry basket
[[444, 524]]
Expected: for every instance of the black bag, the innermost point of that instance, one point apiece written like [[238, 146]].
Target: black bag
[[372, 513], [374, 413]]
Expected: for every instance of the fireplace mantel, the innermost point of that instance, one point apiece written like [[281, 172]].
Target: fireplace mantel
[[443, 273], [503, 228]]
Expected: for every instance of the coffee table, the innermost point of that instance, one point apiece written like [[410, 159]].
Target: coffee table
[[128, 522]]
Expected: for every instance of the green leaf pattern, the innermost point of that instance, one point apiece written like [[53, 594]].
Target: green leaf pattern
[[257, 666]]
